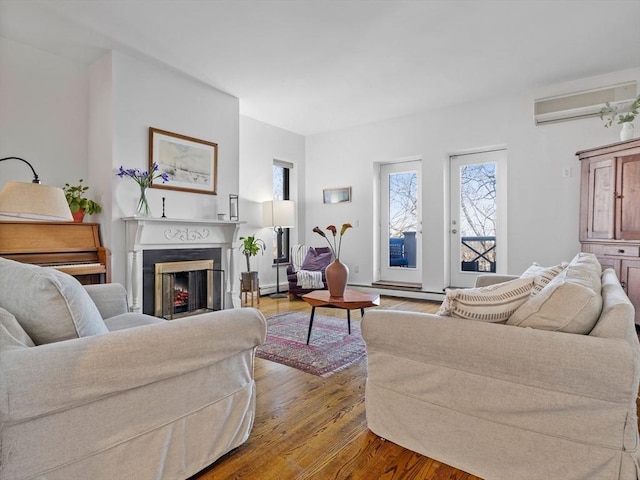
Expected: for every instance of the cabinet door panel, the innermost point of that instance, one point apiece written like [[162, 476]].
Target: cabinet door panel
[[630, 277], [628, 198], [601, 199]]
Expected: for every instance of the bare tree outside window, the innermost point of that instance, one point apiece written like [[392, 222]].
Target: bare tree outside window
[[403, 203], [478, 217]]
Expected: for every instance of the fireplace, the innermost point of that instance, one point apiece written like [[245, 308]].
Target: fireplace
[[192, 274], [186, 288], [152, 241]]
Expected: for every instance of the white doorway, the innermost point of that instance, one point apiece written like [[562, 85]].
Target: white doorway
[[401, 222], [478, 212]]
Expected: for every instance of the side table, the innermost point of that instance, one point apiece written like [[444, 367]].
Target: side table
[[351, 300]]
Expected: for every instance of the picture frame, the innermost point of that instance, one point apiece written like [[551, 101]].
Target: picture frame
[[190, 163], [234, 212], [336, 195]]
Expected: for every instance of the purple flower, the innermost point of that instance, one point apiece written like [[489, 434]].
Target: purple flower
[[144, 179]]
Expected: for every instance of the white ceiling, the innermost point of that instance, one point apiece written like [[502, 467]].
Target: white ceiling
[[311, 66]]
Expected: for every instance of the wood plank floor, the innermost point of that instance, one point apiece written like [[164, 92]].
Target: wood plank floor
[[310, 427]]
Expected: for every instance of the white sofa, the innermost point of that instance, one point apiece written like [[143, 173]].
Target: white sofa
[[505, 402], [131, 397]]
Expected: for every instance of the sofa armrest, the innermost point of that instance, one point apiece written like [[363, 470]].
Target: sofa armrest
[[58, 376], [602, 368], [492, 279], [110, 298]]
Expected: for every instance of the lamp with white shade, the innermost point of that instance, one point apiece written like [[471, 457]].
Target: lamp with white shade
[[33, 201], [279, 214]]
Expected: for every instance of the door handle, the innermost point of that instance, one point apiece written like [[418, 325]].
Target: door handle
[[454, 231]]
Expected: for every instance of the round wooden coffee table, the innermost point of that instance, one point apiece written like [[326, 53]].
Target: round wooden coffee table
[[351, 300]]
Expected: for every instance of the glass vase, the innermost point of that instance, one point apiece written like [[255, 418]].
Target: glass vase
[[143, 204]]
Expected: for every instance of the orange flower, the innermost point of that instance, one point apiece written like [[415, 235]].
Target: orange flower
[[332, 228]]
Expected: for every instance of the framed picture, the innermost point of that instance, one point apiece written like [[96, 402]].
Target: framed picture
[[336, 195], [190, 163], [234, 213]]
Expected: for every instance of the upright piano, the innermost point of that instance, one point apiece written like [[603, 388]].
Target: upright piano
[[73, 248]]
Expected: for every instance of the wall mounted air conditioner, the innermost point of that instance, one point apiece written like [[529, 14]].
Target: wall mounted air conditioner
[[583, 104]]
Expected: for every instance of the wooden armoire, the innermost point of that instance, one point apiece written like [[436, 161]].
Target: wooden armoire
[[610, 211]]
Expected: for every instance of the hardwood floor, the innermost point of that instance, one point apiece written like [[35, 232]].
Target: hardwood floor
[[310, 427]]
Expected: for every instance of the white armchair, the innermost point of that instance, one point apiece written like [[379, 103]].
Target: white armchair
[[142, 398]]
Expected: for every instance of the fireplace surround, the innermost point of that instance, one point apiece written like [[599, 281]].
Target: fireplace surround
[[180, 240]]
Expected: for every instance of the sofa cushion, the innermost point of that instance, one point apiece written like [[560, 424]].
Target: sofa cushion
[[571, 302], [544, 274], [49, 305], [316, 260], [493, 303], [8, 321]]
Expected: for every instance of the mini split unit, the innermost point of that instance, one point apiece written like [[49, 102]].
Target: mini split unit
[[584, 104]]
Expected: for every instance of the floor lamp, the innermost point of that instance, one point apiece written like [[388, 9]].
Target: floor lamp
[[278, 214], [33, 201]]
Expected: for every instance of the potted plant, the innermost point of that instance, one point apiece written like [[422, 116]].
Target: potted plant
[[251, 246], [624, 118], [79, 204]]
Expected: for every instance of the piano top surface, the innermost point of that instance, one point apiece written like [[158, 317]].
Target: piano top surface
[[50, 237]]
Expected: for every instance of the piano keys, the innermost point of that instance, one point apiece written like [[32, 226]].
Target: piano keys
[[73, 248]]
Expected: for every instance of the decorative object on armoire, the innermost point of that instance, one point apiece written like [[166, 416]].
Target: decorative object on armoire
[[33, 201], [234, 211], [190, 163], [78, 203], [337, 273], [144, 181], [609, 213], [624, 115], [627, 131], [279, 214]]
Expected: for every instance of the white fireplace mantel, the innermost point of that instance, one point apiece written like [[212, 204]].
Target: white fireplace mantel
[[146, 233]]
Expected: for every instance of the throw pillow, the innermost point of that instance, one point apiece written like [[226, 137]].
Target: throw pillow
[[571, 302], [316, 260], [544, 274], [494, 303], [49, 305]]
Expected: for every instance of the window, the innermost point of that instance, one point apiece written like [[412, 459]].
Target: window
[[281, 187]]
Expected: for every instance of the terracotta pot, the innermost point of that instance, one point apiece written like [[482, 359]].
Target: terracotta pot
[[337, 274], [78, 216]]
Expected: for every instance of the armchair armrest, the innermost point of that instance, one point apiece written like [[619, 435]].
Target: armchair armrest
[[59, 376], [110, 298]]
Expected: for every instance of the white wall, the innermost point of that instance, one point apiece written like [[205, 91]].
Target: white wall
[[44, 114], [132, 96], [260, 144], [542, 204]]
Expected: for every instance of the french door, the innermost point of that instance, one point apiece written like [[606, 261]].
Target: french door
[[477, 229], [400, 221]]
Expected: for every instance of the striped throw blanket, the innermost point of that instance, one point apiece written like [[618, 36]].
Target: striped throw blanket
[[308, 279]]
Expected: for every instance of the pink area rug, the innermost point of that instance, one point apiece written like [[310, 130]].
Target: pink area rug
[[330, 349]]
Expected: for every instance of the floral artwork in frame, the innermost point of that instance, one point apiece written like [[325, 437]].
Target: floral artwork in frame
[[190, 164], [336, 195]]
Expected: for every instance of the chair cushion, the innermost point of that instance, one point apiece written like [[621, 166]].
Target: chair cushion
[[493, 303], [49, 305], [316, 260], [571, 302]]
